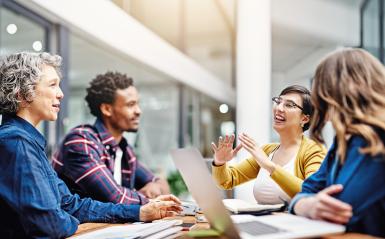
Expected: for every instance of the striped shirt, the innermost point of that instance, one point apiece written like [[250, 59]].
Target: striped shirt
[[85, 161]]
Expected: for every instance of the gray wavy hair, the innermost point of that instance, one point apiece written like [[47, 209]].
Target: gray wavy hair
[[19, 74]]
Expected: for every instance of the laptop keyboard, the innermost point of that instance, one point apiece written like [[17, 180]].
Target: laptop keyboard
[[257, 228]]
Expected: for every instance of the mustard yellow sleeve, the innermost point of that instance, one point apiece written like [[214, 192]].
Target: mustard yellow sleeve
[[227, 177], [310, 159], [289, 183], [313, 159]]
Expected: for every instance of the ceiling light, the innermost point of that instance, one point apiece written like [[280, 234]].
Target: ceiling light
[[11, 28], [37, 46], [223, 108]]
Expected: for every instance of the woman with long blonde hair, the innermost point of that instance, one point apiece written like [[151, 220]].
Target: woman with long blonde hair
[[349, 188]]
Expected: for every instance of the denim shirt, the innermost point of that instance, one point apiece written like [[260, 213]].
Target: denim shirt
[[362, 177], [34, 202]]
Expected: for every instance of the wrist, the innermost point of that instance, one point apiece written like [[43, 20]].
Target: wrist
[[269, 166], [215, 163], [302, 207]]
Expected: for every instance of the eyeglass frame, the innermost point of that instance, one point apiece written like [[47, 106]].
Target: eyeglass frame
[[282, 100]]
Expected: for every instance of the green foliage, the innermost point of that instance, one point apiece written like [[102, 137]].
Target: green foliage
[[176, 183]]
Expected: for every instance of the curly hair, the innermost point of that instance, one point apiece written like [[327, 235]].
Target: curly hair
[[349, 90], [19, 74], [102, 90], [306, 100]]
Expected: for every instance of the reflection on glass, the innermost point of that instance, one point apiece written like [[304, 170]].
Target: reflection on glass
[[158, 100], [371, 30], [18, 34]]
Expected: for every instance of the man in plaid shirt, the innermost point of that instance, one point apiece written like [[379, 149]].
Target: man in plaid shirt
[[95, 160]]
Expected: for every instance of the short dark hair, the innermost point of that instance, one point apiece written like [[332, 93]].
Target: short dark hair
[[306, 100], [102, 89]]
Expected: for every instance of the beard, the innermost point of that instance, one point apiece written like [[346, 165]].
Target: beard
[[132, 130]]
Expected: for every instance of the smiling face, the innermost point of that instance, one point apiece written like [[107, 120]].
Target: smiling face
[[124, 113], [46, 103], [285, 118]]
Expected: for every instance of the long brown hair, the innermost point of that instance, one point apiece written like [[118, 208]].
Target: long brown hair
[[349, 90]]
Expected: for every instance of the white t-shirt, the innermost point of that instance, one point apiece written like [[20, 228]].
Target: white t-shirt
[[266, 190], [118, 166]]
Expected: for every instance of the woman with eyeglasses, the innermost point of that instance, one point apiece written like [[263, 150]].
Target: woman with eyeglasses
[[349, 188], [279, 168]]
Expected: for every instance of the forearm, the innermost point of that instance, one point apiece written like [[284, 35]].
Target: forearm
[[163, 185], [287, 181], [302, 206], [303, 200], [228, 177], [95, 211]]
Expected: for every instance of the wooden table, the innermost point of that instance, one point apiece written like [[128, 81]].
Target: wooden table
[[89, 227]]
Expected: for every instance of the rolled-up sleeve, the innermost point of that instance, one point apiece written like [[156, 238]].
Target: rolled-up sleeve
[[142, 175]]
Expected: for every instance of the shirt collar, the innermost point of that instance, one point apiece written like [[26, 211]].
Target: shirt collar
[[105, 135], [26, 126]]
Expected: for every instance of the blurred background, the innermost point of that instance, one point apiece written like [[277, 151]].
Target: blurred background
[[204, 68]]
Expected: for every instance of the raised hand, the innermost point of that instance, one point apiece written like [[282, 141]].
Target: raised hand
[[224, 152], [258, 154], [323, 206], [160, 207]]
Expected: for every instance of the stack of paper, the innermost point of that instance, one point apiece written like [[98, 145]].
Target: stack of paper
[[240, 206], [156, 230]]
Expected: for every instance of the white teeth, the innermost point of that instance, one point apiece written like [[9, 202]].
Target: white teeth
[[279, 117]]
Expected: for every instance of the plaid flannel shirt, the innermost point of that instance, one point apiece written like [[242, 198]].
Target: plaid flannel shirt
[[85, 161]]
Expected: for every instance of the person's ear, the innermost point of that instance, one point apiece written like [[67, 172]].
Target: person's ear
[[305, 119], [106, 109], [23, 103]]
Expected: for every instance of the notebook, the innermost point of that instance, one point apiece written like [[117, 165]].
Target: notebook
[[239, 206], [153, 230]]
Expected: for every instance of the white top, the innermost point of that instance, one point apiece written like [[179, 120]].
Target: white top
[[266, 190], [118, 166]]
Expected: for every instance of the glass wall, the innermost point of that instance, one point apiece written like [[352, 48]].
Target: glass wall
[[158, 99], [371, 27], [21, 30], [170, 110]]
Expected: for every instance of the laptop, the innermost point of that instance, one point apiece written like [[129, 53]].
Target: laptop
[[198, 179]]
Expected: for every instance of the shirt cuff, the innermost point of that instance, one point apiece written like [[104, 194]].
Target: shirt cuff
[[296, 199], [132, 212]]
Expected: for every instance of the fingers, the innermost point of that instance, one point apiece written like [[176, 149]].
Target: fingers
[[220, 142], [169, 197], [333, 189], [239, 146], [334, 204], [226, 140], [244, 138], [214, 147], [336, 218], [170, 214], [231, 140]]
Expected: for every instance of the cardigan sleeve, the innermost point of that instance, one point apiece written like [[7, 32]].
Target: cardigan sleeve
[[308, 160], [229, 176]]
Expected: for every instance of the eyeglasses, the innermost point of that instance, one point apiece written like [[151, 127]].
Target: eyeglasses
[[287, 104]]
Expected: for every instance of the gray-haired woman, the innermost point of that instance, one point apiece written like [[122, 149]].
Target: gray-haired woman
[[34, 202]]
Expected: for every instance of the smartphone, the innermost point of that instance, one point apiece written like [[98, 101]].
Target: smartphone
[[187, 226]]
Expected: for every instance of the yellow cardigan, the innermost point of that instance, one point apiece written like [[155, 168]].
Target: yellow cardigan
[[307, 162]]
